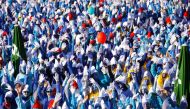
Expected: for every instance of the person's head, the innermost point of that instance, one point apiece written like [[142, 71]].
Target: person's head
[[25, 91], [49, 91], [164, 74], [23, 66]]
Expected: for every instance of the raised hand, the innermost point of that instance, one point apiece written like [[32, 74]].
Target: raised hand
[[19, 89], [41, 78], [56, 77]]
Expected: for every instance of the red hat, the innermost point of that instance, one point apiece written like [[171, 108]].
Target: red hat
[[50, 104], [139, 39], [119, 17], [59, 29], [101, 1], [70, 16], [149, 34], [168, 20], [186, 14], [54, 91], [7, 105], [140, 10], [132, 34], [92, 41], [75, 85], [114, 20], [4, 33], [84, 25], [89, 22], [30, 17], [59, 50], [111, 35], [54, 20], [37, 104]]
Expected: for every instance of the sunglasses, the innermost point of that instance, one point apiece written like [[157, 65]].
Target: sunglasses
[[48, 91], [26, 91]]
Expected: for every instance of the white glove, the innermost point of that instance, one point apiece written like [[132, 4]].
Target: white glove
[[41, 78], [71, 78], [92, 80], [37, 45], [8, 87], [4, 80], [36, 67], [27, 70], [56, 77], [5, 70], [66, 74], [57, 97]]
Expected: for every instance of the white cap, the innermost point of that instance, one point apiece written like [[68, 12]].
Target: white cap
[[173, 96], [166, 83], [56, 65], [102, 92], [183, 99], [93, 69], [26, 88], [146, 73], [171, 47], [103, 105], [9, 94], [23, 63], [63, 61], [121, 79], [64, 106], [10, 65], [85, 71], [113, 61]]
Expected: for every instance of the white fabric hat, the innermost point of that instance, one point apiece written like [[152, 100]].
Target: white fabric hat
[[23, 64], [167, 83], [173, 39], [103, 105], [102, 92], [85, 71], [183, 99], [93, 69], [121, 79], [173, 96], [26, 88], [113, 61], [56, 65], [10, 65], [63, 61], [171, 47], [9, 94], [122, 58], [64, 106], [146, 73], [125, 24]]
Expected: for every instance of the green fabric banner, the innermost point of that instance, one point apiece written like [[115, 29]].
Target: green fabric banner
[[182, 85], [18, 50]]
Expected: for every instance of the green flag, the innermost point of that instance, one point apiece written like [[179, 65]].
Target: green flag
[[182, 84], [18, 50]]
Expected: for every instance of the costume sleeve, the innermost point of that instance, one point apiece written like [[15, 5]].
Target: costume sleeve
[[20, 104]]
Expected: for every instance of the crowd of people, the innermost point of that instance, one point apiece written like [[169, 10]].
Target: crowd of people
[[68, 68]]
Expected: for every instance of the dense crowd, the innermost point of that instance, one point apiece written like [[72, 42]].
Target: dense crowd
[[68, 67]]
